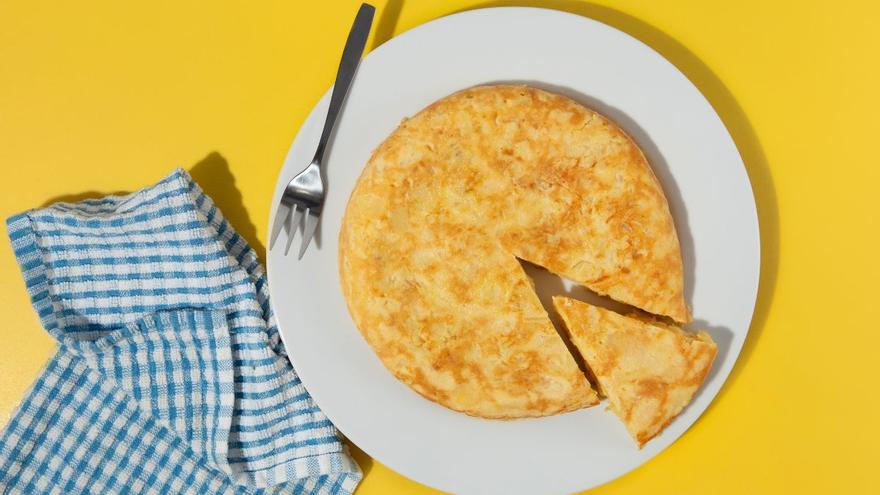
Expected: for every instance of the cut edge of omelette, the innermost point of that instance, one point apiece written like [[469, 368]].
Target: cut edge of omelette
[[656, 283], [636, 267], [648, 370]]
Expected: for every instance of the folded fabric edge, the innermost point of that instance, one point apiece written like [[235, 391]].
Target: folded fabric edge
[[34, 271], [30, 260], [330, 473], [28, 254], [342, 472]]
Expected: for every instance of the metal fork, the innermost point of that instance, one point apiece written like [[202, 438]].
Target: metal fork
[[303, 196]]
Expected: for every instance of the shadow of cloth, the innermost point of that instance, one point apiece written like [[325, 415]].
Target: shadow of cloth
[[738, 126], [214, 176], [362, 458]]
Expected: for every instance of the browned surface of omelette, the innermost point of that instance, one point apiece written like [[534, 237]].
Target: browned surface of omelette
[[446, 203], [648, 370]]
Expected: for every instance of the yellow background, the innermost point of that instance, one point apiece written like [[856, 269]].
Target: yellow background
[[99, 97]]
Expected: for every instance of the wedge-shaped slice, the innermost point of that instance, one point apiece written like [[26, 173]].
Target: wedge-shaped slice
[[648, 370]]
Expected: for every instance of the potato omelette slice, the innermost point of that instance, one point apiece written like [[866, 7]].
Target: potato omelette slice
[[648, 370], [445, 205]]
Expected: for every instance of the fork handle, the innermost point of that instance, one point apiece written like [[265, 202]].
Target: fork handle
[[351, 57]]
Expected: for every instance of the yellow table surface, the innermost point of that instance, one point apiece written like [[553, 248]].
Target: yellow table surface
[[99, 97]]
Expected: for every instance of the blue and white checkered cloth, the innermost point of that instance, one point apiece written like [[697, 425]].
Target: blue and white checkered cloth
[[169, 375]]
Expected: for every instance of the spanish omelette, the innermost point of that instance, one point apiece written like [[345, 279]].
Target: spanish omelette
[[647, 369], [445, 205]]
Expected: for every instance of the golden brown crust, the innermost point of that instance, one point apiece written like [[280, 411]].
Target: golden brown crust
[[649, 371], [430, 233]]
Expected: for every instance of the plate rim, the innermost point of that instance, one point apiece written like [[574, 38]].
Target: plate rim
[[753, 211]]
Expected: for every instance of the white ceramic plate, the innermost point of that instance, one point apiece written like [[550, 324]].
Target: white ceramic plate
[[691, 152]]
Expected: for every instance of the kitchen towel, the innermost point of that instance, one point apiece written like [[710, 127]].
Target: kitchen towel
[[169, 376]]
